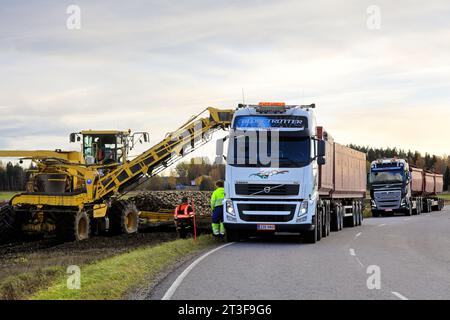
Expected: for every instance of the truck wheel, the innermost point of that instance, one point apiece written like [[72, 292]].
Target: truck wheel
[[9, 232], [362, 211], [72, 226], [232, 236], [123, 218], [319, 228], [335, 220], [311, 236], [409, 211], [358, 214], [328, 221], [324, 222]]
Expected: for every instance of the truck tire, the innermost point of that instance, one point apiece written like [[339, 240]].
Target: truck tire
[[319, 228], [123, 218], [335, 219], [351, 221], [409, 211], [362, 211], [375, 214], [341, 218], [427, 206], [358, 214], [9, 231], [328, 220], [72, 226], [232, 236], [324, 222]]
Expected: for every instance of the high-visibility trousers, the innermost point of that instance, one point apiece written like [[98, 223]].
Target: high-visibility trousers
[[217, 225]]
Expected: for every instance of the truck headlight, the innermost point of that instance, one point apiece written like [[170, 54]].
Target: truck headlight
[[373, 203], [303, 208], [229, 207]]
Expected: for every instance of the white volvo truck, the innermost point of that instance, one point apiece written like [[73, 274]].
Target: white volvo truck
[[286, 175]]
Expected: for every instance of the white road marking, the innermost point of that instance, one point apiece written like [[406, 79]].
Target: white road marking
[[170, 292], [359, 261], [406, 219], [382, 225], [358, 234], [352, 252], [398, 295]]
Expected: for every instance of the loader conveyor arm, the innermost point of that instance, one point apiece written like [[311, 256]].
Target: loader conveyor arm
[[177, 144]]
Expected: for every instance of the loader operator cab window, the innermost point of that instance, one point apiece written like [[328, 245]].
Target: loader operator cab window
[[103, 149]]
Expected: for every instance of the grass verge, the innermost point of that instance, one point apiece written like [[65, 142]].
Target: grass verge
[[26, 284], [5, 196], [115, 277]]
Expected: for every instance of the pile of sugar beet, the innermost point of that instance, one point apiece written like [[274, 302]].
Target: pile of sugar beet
[[154, 201]]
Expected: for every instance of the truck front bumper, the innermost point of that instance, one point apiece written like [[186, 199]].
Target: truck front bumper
[[252, 227]]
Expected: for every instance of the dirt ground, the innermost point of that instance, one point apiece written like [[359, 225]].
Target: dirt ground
[[34, 255]]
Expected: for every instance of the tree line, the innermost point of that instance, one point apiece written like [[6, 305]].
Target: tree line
[[13, 177], [199, 172]]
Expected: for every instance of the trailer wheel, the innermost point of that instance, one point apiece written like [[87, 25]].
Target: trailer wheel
[[334, 223], [9, 231], [358, 214], [328, 214], [324, 221], [123, 218], [72, 226]]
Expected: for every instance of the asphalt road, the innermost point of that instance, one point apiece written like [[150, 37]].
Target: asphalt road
[[412, 255]]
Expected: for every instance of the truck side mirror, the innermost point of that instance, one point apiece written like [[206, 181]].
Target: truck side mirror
[[321, 161], [321, 148], [72, 137], [219, 151]]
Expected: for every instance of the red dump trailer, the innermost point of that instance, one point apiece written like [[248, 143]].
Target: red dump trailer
[[342, 183], [425, 189]]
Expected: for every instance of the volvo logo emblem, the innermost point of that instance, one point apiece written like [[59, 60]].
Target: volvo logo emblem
[[266, 189]]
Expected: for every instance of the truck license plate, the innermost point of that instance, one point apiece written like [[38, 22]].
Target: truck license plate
[[265, 227], [388, 210]]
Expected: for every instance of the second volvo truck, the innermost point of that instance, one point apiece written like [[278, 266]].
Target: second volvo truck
[[397, 187]]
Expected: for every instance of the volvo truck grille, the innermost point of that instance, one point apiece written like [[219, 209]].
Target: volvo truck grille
[[388, 199], [258, 189], [253, 212]]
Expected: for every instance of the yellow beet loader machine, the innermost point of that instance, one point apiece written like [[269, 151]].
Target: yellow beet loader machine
[[75, 194]]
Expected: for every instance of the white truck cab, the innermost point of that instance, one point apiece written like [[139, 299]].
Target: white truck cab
[[272, 169]]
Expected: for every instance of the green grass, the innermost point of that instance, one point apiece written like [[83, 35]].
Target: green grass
[[115, 277], [445, 196], [26, 284], [6, 195]]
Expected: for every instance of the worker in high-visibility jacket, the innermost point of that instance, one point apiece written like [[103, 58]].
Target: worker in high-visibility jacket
[[217, 198]]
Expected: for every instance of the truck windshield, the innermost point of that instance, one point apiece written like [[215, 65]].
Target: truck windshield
[[388, 176], [255, 150]]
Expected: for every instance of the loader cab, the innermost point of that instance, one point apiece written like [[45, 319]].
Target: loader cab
[[107, 147]]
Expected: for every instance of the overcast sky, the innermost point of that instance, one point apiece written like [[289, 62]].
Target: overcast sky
[[149, 65]]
